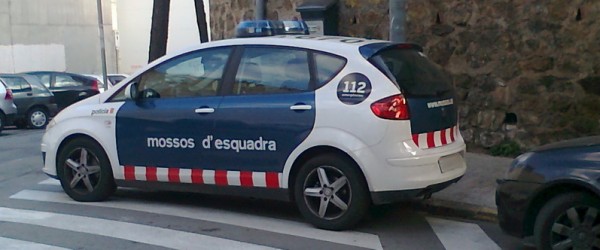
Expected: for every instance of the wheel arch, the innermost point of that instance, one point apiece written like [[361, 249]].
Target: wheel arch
[[38, 105], [550, 191], [73, 137], [313, 152]]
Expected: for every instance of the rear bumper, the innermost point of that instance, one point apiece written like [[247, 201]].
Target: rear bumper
[[386, 197]]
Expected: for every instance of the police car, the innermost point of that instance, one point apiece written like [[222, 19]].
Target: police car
[[334, 124]]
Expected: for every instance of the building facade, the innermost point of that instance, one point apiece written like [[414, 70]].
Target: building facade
[[60, 35]]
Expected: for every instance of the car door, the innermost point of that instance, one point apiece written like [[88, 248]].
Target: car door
[[269, 109], [175, 109]]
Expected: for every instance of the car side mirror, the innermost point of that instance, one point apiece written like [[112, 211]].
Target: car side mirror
[[131, 91]]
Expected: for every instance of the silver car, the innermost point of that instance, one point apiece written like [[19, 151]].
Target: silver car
[[8, 109]]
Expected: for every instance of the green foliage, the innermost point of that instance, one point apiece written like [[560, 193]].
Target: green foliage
[[506, 148]]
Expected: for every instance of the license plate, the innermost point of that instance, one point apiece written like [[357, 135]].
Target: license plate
[[251, 30], [451, 162]]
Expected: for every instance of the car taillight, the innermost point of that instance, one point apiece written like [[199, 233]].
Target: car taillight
[[8, 95], [95, 85], [392, 108]]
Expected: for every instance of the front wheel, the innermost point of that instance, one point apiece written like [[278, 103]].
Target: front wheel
[[84, 171], [331, 193], [569, 221]]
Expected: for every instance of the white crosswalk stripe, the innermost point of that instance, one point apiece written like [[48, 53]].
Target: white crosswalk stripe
[[461, 235], [300, 229], [12, 244], [452, 234], [122, 230]]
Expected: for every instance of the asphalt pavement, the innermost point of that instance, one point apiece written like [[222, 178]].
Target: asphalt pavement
[[473, 196]]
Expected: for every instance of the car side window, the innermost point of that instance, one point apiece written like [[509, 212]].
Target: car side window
[[17, 84], [197, 73], [328, 66], [269, 70], [44, 79], [66, 81]]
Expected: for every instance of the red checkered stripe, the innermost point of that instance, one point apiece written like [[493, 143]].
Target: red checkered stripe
[[436, 138], [202, 176]]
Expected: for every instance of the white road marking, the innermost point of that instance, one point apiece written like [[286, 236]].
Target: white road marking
[[461, 235], [50, 181], [220, 216], [13, 244], [122, 230]]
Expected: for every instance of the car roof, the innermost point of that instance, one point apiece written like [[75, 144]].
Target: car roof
[[332, 44]]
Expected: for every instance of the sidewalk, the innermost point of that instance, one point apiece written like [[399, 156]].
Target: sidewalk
[[473, 196]]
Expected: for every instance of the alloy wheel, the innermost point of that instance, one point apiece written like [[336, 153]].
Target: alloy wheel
[[327, 192], [82, 169], [576, 228]]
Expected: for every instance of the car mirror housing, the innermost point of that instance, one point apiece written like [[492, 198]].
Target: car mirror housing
[[131, 91]]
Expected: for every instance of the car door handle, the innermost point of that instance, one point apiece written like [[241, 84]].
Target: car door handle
[[204, 110], [82, 93], [29, 94], [299, 107]]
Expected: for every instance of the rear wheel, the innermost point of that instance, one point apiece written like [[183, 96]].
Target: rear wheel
[[84, 171], [37, 118], [569, 221], [331, 193]]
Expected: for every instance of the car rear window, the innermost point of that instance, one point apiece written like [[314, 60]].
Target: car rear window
[[412, 72]]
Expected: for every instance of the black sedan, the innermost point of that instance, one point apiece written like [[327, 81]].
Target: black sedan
[[553, 194], [68, 88]]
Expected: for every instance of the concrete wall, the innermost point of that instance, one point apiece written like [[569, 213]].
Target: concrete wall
[[57, 35]]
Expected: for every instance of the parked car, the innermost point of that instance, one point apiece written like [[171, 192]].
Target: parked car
[[8, 109], [68, 88], [334, 124], [35, 103], [553, 194], [116, 78], [113, 79]]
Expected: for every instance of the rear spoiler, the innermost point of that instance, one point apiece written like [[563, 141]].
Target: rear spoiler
[[369, 50]]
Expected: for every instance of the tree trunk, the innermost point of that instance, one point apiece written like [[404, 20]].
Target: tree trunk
[[201, 20], [160, 29]]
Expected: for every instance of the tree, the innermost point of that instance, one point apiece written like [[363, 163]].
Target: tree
[[201, 20], [160, 29]]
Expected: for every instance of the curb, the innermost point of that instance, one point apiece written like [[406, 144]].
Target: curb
[[457, 209]]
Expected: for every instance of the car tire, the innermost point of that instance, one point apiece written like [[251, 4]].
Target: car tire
[[37, 118], [337, 204], [568, 219], [2, 121], [91, 181]]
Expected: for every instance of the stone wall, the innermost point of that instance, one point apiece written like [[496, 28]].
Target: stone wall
[[525, 71]]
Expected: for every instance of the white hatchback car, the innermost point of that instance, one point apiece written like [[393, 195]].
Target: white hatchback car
[[8, 109], [334, 124]]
